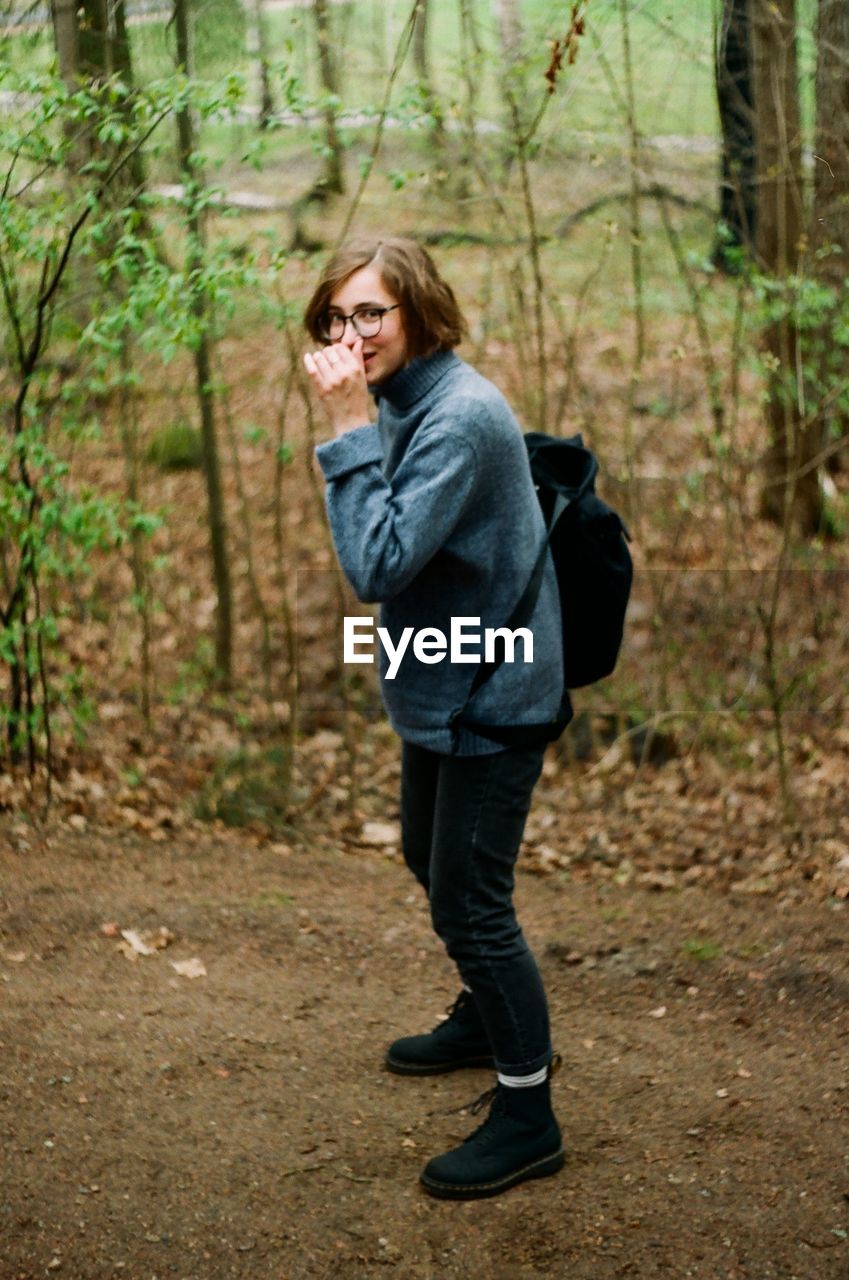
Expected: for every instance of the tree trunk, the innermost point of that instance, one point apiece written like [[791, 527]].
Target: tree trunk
[[103, 40], [513, 81], [779, 150], [508, 17], [119, 35], [92, 44], [333, 178], [96, 46], [257, 47], [830, 232], [735, 98], [67, 41], [791, 491], [191, 177], [421, 61], [66, 38]]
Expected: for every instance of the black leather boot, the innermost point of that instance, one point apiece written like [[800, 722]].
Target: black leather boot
[[520, 1139], [459, 1041]]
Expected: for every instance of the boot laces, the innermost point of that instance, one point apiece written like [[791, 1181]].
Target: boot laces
[[494, 1096], [497, 1090], [474, 1108], [452, 1010], [499, 1110], [484, 1100], [496, 1099], [458, 1005]]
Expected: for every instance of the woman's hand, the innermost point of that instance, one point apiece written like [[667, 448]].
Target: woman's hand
[[338, 376]]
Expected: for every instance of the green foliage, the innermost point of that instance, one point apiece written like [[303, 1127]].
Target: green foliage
[[195, 676], [270, 898], [176, 447], [818, 315], [49, 530], [701, 949], [218, 30], [836, 517], [249, 789], [52, 228]]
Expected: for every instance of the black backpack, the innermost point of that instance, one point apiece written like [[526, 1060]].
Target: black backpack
[[589, 547]]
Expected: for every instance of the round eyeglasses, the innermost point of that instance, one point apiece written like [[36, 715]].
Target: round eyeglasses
[[367, 322]]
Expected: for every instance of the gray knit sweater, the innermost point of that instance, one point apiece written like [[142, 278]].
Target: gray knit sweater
[[434, 515]]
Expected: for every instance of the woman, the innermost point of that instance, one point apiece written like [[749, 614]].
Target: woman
[[434, 515]]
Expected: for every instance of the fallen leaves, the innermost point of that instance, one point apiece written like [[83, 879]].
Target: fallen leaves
[[381, 834], [697, 822], [193, 968], [137, 943], [134, 944]]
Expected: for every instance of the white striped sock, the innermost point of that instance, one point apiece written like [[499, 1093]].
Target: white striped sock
[[523, 1082]]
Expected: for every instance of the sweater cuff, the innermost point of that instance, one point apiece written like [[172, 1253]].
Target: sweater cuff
[[349, 452]]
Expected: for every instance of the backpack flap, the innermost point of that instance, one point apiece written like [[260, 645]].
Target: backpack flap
[[564, 467], [594, 574], [589, 546]]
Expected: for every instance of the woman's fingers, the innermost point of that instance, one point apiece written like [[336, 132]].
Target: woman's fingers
[[320, 371], [341, 359], [347, 357], [335, 367]]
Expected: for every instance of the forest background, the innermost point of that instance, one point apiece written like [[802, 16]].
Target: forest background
[[645, 215]]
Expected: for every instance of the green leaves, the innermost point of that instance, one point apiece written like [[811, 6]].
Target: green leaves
[[65, 203], [75, 226], [701, 949]]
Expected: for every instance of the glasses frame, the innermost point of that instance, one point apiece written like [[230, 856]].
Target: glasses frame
[[337, 316]]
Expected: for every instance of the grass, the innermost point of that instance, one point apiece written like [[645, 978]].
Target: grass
[[672, 54], [701, 949], [673, 58], [269, 898], [176, 447]]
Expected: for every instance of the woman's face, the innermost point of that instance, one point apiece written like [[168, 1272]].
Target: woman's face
[[386, 352]]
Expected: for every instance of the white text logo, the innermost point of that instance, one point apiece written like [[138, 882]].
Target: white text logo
[[430, 645]]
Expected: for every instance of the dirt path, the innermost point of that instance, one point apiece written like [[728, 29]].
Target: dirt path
[[239, 1124]]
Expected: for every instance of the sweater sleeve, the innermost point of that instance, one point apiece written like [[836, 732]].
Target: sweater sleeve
[[385, 531]]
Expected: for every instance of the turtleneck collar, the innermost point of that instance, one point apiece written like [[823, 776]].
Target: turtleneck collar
[[415, 379]]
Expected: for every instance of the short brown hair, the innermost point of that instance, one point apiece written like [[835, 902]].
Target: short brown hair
[[433, 320]]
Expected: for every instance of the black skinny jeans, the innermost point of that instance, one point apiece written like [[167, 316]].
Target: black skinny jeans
[[462, 819]]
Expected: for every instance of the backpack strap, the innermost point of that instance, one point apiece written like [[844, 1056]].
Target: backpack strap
[[518, 735]]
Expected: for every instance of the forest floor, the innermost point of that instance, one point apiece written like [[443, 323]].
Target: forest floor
[[239, 1123]]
